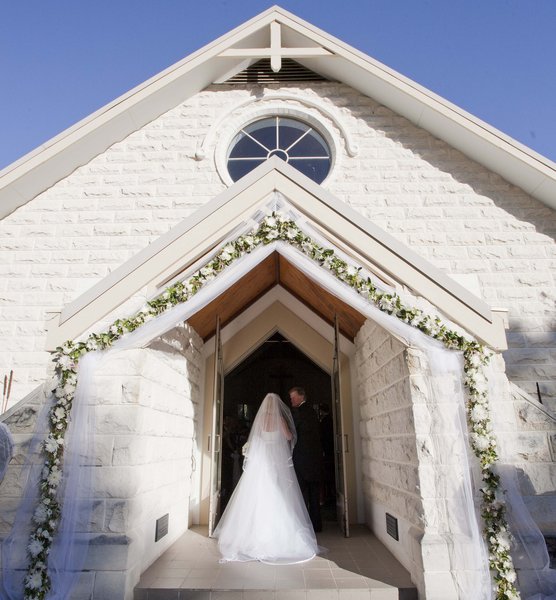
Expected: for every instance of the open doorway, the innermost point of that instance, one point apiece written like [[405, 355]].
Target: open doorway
[[275, 366]]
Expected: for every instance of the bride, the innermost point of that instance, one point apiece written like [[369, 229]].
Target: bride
[[266, 518]]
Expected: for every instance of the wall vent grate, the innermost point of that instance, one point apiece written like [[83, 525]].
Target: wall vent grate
[[260, 72], [161, 527], [392, 526]]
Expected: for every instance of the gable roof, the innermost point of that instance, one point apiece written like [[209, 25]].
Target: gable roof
[[324, 54], [192, 242]]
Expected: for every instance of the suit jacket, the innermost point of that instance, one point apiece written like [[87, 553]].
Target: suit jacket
[[307, 453]]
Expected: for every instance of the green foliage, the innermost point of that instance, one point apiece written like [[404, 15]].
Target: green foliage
[[275, 228]]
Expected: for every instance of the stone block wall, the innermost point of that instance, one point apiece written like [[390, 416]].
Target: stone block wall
[[415, 460], [458, 215], [146, 418], [389, 458], [527, 442]]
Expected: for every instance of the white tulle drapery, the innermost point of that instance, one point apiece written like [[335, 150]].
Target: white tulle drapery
[[468, 560], [14, 546], [6, 449], [459, 527], [70, 546], [457, 532], [537, 581]]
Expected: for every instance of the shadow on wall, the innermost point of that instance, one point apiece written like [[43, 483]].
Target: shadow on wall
[[460, 174], [505, 231]]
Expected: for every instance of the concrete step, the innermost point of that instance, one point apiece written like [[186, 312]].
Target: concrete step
[[355, 568]]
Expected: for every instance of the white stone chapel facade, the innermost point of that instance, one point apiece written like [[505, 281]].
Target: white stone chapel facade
[[439, 206]]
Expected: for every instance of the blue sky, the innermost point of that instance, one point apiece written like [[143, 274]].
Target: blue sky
[[61, 60]]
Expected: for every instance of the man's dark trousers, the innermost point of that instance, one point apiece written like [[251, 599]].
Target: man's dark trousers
[[308, 461]]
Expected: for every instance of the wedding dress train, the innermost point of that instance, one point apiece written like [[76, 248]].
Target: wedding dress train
[[266, 518]]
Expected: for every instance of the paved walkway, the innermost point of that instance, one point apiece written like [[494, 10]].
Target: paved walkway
[[354, 568]]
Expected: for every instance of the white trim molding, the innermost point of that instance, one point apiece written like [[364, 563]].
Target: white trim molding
[[207, 229]]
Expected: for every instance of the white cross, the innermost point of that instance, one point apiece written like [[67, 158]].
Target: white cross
[[276, 52]]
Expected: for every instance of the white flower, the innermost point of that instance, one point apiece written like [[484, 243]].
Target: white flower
[[351, 271], [50, 445], [114, 330], [271, 235], [480, 442], [415, 320], [511, 576], [59, 412], [45, 534], [227, 252], [503, 541], [41, 514], [434, 328], [67, 348], [270, 221], [474, 360], [481, 386], [291, 233], [69, 389], [65, 362], [34, 581], [249, 240], [54, 478], [471, 373], [479, 413], [386, 303], [35, 548], [91, 345], [205, 271], [59, 393]]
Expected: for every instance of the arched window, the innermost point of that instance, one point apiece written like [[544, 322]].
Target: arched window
[[296, 142]]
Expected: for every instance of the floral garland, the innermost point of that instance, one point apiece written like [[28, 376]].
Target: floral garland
[[274, 227]]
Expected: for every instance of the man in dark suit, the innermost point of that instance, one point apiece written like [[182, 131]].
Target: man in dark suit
[[307, 453]]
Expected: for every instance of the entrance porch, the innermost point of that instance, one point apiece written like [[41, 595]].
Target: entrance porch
[[356, 568]]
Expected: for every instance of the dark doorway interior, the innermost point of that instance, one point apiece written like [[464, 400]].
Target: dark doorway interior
[[275, 366]]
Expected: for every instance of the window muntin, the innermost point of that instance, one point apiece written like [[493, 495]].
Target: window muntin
[[293, 141]]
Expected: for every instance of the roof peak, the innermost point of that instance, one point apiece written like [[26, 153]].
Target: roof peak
[[288, 36]]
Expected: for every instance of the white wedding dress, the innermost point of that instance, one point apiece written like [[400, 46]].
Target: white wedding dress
[[266, 518]]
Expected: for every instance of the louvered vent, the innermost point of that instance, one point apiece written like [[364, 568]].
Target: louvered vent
[[260, 72]]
